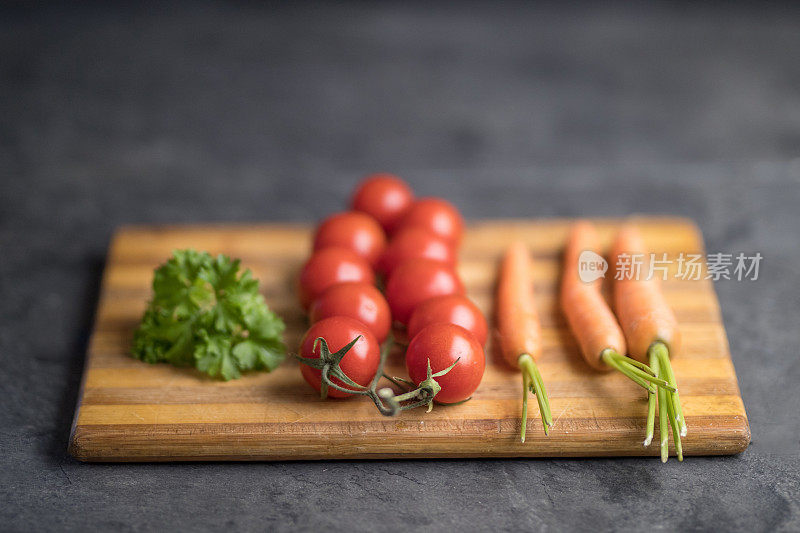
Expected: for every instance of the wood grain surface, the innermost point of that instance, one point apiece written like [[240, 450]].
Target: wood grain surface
[[133, 411]]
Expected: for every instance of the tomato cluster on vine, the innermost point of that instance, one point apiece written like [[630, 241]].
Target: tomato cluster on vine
[[410, 245]]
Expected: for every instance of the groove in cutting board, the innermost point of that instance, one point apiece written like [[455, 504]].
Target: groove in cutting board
[[133, 411]]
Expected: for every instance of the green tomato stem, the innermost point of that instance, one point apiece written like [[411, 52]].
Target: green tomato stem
[[386, 401], [397, 382]]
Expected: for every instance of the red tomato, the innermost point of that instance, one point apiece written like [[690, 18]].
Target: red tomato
[[436, 215], [416, 280], [353, 230], [385, 197], [328, 267], [415, 243], [361, 301], [450, 309], [443, 344], [360, 363]]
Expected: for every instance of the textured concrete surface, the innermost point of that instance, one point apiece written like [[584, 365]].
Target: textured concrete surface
[[209, 112]]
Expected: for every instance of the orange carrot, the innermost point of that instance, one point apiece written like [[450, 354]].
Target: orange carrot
[[595, 327], [642, 310], [651, 330], [589, 317], [519, 329]]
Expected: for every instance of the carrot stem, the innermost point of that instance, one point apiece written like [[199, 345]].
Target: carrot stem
[[676, 437], [639, 364], [651, 405], [541, 397], [647, 377], [636, 379], [636, 371], [663, 354], [663, 425], [532, 381], [525, 386], [669, 405]]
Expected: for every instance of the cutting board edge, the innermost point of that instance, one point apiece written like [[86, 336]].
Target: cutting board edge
[[84, 454], [89, 443], [470, 223]]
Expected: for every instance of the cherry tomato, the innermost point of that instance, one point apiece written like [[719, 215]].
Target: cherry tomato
[[330, 266], [361, 301], [416, 280], [450, 309], [415, 243], [357, 231], [385, 197], [436, 215], [360, 363], [443, 344]]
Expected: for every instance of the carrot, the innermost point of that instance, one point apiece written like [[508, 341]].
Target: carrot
[[651, 331], [519, 329], [591, 320]]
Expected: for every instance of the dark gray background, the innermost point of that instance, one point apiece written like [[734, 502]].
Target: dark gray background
[[213, 112]]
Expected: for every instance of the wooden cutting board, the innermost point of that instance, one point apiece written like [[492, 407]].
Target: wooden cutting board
[[133, 411]]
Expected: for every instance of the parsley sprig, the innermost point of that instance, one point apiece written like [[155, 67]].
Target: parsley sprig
[[205, 314]]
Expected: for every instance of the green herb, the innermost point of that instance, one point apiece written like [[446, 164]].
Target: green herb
[[207, 315]]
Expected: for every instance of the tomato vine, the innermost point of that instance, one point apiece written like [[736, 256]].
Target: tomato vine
[[385, 399]]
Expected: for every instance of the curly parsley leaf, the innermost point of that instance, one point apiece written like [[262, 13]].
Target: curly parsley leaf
[[205, 314]]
